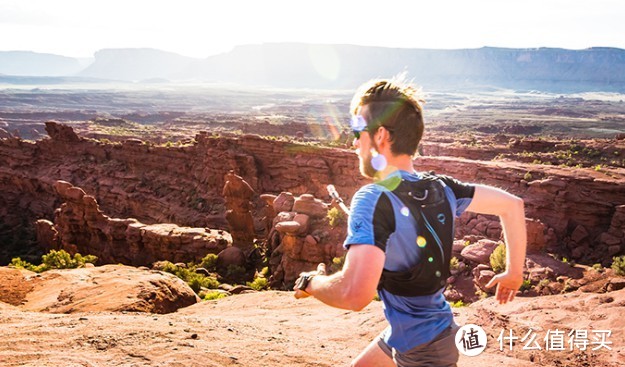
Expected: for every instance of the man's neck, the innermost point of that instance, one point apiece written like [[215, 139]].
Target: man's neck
[[402, 162]]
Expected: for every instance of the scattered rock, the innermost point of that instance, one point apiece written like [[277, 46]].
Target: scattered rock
[[307, 204], [230, 256], [616, 284], [479, 252], [283, 202]]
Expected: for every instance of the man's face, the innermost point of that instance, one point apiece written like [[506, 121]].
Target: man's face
[[364, 146], [363, 150]]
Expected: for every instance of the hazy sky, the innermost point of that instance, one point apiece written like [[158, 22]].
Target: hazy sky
[[200, 28]]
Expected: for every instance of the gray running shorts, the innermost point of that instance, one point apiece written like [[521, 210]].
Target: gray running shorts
[[440, 352]]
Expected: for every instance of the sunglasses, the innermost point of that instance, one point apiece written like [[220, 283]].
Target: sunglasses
[[359, 125]]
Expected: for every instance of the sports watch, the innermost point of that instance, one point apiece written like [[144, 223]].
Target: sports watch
[[303, 281]]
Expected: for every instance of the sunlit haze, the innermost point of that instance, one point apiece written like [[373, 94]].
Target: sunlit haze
[[203, 28]]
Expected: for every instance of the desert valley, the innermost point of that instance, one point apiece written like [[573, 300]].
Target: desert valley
[[203, 202]]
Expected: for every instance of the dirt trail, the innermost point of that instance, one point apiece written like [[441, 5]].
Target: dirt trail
[[274, 329]]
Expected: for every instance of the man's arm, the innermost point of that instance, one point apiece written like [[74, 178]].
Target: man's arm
[[510, 209], [354, 287]]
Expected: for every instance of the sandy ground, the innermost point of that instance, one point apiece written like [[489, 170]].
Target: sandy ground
[[274, 329]]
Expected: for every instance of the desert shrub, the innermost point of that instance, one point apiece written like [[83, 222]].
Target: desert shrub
[[264, 272], [453, 263], [527, 176], [481, 294], [498, 259], [18, 263], [567, 286], [199, 281], [209, 262], [598, 267], [214, 295], [335, 217], [337, 264], [194, 280], [55, 260], [618, 265], [62, 260], [258, 284], [457, 304], [567, 261], [526, 285]]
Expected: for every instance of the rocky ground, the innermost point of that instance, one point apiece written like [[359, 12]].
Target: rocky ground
[[260, 329], [137, 172]]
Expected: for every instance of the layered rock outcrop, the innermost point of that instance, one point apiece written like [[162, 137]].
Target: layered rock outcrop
[[80, 226], [183, 184], [301, 239], [238, 195]]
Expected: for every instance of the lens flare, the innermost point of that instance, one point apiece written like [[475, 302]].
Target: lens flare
[[438, 273], [378, 161], [390, 183], [358, 123], [421, 241], [405, 211], [431, 259], [333, 121]]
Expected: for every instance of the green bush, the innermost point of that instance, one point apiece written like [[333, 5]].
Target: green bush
[[498, 259], [264, 272], [335, 217], [618, 265], [258, 284], [337, 264], [209, 262], [18, 263], [457, 304], [214, 295], [526, 285], [453, 263], [196, 281], [55, 260]]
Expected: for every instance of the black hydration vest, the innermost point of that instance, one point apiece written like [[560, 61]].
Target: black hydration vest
[[429, 206]]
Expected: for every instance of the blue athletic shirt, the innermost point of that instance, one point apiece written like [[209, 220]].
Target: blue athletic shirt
[[377, 219]]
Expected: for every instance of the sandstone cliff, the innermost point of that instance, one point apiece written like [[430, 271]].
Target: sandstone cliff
[[582, 208]]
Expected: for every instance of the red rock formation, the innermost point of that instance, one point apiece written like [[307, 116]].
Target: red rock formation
[[182, 184], [61, 132], [302, 240], [104, 288], [80, 226], [238, 195]]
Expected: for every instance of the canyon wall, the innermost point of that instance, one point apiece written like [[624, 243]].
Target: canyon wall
[[582, 208]]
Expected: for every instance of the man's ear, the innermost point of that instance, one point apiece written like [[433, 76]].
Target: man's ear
[[383, 137]]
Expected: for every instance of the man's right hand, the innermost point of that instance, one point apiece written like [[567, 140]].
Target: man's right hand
[[300, 293]]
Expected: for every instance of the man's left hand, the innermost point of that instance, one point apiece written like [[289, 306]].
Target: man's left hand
[[507, 286]]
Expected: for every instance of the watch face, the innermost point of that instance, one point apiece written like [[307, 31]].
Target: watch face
[[302, 282]]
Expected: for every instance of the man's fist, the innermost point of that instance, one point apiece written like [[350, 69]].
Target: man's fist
[[301, 293]]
